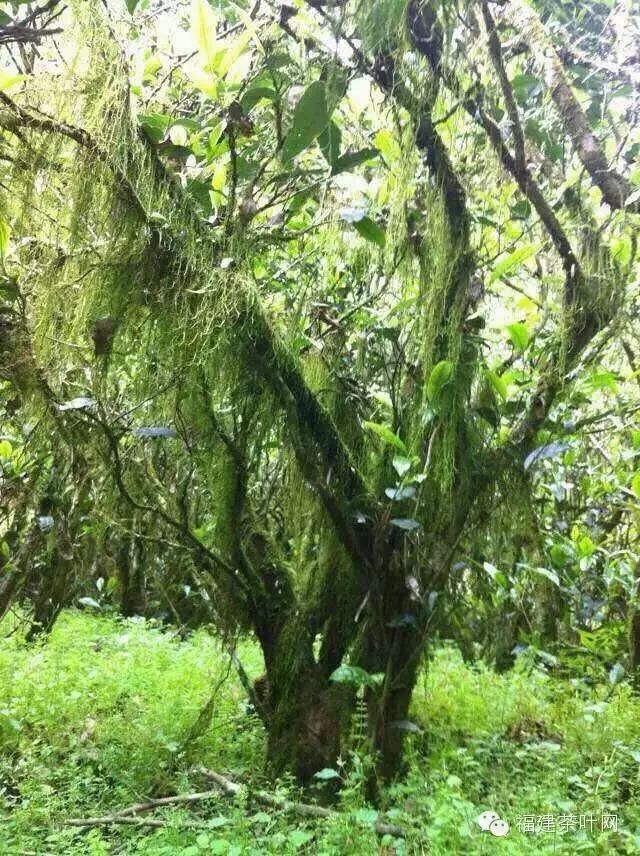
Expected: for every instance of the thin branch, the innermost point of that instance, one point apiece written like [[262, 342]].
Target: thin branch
[[39, 10], [304, 809], [15, 34], [495, 52], [614, 186], [155, 823]]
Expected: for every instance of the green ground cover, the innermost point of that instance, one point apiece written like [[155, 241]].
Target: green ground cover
[[94, 719]]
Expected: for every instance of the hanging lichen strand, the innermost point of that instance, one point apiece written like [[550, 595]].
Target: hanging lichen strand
[[112, 236], [448, 366], [118, 277]]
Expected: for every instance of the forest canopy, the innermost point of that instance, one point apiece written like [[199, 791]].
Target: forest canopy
[[319, 328]]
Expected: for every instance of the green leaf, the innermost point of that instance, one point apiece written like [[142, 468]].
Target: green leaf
[[366, 816], [585, 546], [370, 231], [439, 378], [326, 774], [550, 575], [521, 210], [386, 435], [525, 85], [131, 5], [601, 380], [233, 52], [178, 135], [207, 83], [9, 78], [407, 524], [252, 96], [621, 247], [310, 118], [497, 576], [213, 139], [545, 453], [498, 383], [349, 160], [511, 262], [401, 465], [388, 146], [203, 26], [354, 675], [6, 450], [299, 837], [397, 494], [155, 125], [635, 484], [329, 141], [519, 335], [260, 817]]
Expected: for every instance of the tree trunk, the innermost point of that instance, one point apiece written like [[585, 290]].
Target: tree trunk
[[390, 720], [131, 576], [307, 716], [52, 595], [301, 707]]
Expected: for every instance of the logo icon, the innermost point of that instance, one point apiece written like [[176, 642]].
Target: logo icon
[[490, 821]]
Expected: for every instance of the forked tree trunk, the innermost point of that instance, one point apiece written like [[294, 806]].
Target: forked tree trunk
[[309, 718], [302, 709]]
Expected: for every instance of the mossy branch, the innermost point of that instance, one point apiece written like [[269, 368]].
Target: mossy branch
[[317, 437]]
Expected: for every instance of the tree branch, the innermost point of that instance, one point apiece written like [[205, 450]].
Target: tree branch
[[495, 52], [266, 354], [614, 186]]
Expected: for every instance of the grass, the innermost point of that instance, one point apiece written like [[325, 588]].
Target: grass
[[94, 719]]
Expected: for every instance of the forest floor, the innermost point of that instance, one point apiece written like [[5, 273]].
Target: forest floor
[[94, 720]]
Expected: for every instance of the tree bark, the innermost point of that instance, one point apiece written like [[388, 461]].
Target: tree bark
[[302, 709], [615, 187], [130, 564]]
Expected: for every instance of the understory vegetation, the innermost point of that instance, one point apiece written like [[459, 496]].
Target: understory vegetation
[[101, 726]]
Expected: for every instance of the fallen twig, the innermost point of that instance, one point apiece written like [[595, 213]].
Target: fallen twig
[[149, 805], [112, 819], [128, 815], [304, 809]]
